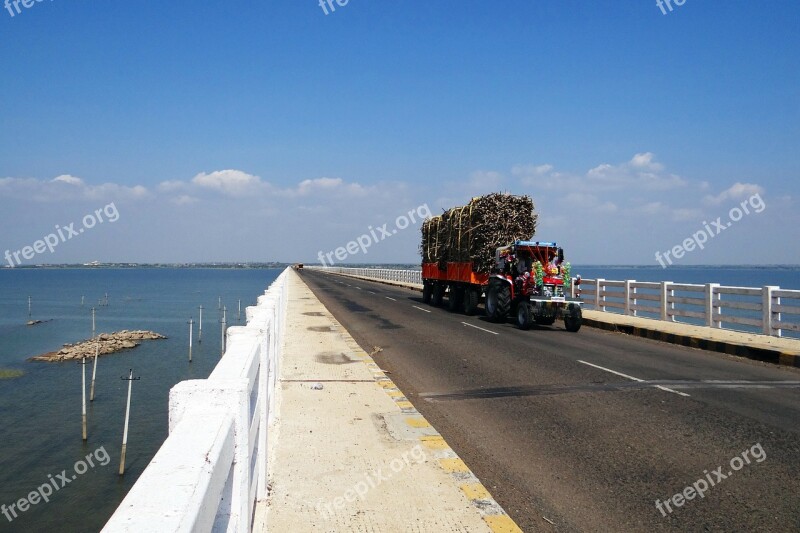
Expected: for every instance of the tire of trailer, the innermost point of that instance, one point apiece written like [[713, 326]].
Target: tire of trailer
[[427, 292], [573, 319], [471, 298], [438, 294], [455, 298], [524, 314]]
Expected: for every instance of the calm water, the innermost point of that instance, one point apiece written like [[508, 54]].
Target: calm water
[[40, 412]]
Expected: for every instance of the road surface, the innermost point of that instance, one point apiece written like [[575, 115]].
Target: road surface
[[588, 431]]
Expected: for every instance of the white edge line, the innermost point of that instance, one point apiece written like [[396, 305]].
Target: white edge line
[[389, 298], [421, 309], [477, 327], [631, 377]]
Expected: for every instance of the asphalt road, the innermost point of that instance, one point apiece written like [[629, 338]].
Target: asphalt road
[[586, 431]]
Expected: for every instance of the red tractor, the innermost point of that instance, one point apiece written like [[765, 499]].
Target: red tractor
[[531, 281]]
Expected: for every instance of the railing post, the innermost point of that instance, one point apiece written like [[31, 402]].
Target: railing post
[[628, 295], [664, 299], [597, 300], [709, 307], [767, 318], [222, 396]]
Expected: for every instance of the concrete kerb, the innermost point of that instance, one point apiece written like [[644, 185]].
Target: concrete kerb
[[767, 355], [775, 356]]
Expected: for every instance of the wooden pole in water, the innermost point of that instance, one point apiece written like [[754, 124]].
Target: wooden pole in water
[[83, 298], [239, 316], [200, 326], [219, 303], [130, 379], [224, 318], [29, 307], [94, 370], [83, 397], [191, 330], [93, 328]]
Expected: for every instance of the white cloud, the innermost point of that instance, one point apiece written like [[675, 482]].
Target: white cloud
[[485, 181], [185, 199], [527, 170], [66, 187], [66, 178], [641, 172], [230, 182], [735, 192]]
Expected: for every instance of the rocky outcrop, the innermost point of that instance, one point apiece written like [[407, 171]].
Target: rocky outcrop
[[104, 344]]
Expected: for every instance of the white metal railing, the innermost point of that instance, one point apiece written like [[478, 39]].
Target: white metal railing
[[769, 310], [212, 469], [385, 274]]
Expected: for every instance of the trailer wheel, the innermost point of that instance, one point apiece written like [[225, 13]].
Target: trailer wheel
[[427, 292], [524, 315], [498, 302], [573, 319], [438, 294], [455, 298], [471, 299]]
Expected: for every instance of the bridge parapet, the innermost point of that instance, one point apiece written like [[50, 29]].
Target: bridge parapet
[[212, 468]]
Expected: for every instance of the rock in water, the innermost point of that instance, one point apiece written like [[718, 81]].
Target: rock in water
[[104, 344]]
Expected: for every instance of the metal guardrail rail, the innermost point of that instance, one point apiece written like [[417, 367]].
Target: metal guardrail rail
[[769, 310]]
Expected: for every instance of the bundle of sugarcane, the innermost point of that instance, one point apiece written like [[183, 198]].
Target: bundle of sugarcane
[[472, 233]]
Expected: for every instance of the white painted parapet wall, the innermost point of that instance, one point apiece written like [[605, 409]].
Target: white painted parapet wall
[[764, 309], [211, 470]]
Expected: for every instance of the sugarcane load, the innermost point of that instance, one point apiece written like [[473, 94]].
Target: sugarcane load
[[485, 250]]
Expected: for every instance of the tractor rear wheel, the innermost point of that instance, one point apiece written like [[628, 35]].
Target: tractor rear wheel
[[524, 315], [471, 298], [498, 302], [573, 318]]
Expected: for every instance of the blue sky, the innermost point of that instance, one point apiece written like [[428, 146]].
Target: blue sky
[[249, 131]]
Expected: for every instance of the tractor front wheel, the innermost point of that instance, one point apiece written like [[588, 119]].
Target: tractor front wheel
[[524, 315], [573, 319]]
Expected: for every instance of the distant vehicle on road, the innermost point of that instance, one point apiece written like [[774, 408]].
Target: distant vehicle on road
[[529, 280]]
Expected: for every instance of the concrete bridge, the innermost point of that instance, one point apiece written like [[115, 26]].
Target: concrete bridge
[[347, 404]]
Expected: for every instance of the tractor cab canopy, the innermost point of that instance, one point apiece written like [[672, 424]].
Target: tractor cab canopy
[[523, 254]]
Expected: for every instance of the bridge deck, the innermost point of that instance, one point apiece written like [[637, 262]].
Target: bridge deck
[[354, 455]]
